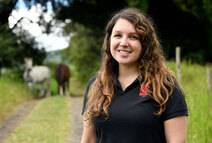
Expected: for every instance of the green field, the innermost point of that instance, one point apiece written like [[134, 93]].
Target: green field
[[194, 83]]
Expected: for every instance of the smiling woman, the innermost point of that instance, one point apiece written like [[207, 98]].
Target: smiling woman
[[134, 97]]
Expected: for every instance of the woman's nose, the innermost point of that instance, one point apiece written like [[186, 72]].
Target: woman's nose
[[124, 42]]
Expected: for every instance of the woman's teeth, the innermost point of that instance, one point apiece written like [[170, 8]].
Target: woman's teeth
[[124, 52]]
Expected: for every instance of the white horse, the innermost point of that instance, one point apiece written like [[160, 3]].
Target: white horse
[[37, 74]]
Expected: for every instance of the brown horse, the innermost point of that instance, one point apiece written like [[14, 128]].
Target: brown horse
[[62, 74]]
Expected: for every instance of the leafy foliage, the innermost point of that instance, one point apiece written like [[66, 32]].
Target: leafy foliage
[[84, 51], [7, 44], [180, 28], [91, 13], [200, 8], [142, 4]]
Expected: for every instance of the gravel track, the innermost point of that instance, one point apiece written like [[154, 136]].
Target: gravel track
[[76, 120], [8, 125]]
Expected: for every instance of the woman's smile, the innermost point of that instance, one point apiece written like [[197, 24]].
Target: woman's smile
[[124, 52]]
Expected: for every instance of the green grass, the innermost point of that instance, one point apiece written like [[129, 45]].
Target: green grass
[[76, 89], [49, 122], [54, 86], [199, 121], [12, 94]]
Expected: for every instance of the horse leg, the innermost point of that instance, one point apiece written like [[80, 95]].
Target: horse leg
[[48, 88], [41, 90], [31, 86], [61, 89]]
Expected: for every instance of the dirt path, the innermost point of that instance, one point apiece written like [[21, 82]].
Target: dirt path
[[12, 120], [16, 117], [76, 120]]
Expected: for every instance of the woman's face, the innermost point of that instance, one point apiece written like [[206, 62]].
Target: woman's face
[[125, 45]]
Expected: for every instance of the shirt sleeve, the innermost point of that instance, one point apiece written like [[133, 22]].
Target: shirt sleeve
[[86, 93], [176, 105]]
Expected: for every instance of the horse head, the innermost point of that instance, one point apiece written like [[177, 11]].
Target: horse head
[[28, 68], [28, 63]]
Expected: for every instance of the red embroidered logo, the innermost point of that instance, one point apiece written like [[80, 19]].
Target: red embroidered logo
[[144, 90]]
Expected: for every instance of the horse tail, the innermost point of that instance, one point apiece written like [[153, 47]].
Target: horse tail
[[59, 74]]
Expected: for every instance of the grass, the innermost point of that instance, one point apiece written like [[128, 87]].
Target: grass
[[12, 94], [49, 122], [199, 121], [76, 89]]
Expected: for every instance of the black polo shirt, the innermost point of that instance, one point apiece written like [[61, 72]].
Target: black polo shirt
[[132, 118]]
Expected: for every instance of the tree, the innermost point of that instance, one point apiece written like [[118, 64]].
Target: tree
[[202, 9], [142, 4], [91, 13], [7, 38], [83, 51]]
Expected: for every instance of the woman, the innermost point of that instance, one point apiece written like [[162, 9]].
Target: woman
[[134, 98]]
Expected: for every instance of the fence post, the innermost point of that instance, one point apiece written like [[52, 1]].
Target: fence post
[[178, 64], [209, 72]]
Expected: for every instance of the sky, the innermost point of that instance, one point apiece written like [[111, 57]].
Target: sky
[[51, 42]]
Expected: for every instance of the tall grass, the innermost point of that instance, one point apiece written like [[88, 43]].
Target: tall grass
[[199, 121], [48, 122], [12, 94]]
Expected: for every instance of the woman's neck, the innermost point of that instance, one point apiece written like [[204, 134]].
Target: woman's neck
[[127, 74], [128, 71]]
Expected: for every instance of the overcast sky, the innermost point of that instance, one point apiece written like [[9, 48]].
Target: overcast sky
[[51, 42]]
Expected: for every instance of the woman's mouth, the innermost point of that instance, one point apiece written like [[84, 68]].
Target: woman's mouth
[[124, 52]]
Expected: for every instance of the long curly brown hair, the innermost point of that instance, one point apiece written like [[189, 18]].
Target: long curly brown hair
[[152, 69]]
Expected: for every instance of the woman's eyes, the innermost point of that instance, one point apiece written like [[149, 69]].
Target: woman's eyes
[[135, 37], [117, 35]]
